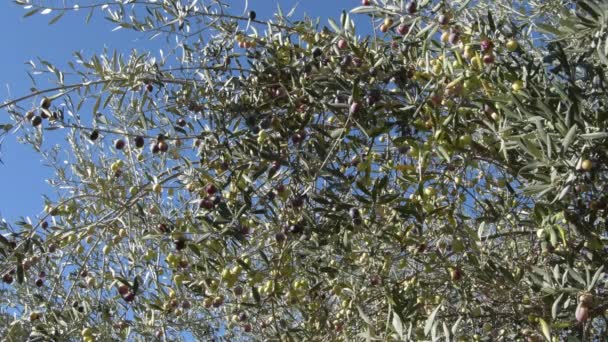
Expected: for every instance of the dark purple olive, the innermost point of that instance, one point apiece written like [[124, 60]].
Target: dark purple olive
[[297, 202], [411, 7], [129, 297], [297, 228], [316, 52], [94, 135], [36, 121], [7, 278], [486, 44], [280, 237], [163, 146], [179, 244], [123, 290], [488, 59], [119, 144], [218, 301], [238, 290], [206, 203], [276, 165], [297, 138], [403, 29], [139, 141], [216, 199], [163, 228], [210, 189], [45, 103]]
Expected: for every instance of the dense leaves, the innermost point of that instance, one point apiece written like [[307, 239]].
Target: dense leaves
[[438, 174]]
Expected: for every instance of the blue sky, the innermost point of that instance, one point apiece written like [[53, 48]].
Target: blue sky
[[22, 177]]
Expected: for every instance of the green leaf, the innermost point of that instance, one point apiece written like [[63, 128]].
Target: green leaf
[[545, 328], [334, 25], [4, 240], [555, 306], [30, 13], [430, 321], [364, 9], [491, 22], [443, 153], [568, 138], [135, 284], [89, 16], [364, 316], [456, 324], [194, 249], [598, 274], [398, 325], [596, 135], [56, 18], [576, 276], [548, 28]]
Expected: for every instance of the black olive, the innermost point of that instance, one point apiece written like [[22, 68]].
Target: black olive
[[45, 103], [139, 141], [180, 244], [119, 144], [36, 121], [94, 135], [317, 52]]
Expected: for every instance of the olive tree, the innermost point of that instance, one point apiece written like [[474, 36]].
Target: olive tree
[[431, 170]]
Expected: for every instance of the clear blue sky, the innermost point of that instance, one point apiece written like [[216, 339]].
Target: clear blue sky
[[23, 176]]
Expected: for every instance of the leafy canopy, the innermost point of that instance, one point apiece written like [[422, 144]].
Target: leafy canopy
[[438, 172]]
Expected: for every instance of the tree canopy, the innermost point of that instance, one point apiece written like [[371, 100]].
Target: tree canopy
[[431, 170]]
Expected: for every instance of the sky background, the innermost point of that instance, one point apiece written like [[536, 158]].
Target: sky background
[[23, 175]]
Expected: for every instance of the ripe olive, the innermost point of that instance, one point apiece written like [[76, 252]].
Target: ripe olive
[[119, 144], [45, 103], [411, 7], [36, 121], [94, 135], [139, 141]]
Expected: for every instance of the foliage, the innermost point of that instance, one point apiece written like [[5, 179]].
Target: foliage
[[438, 174]]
